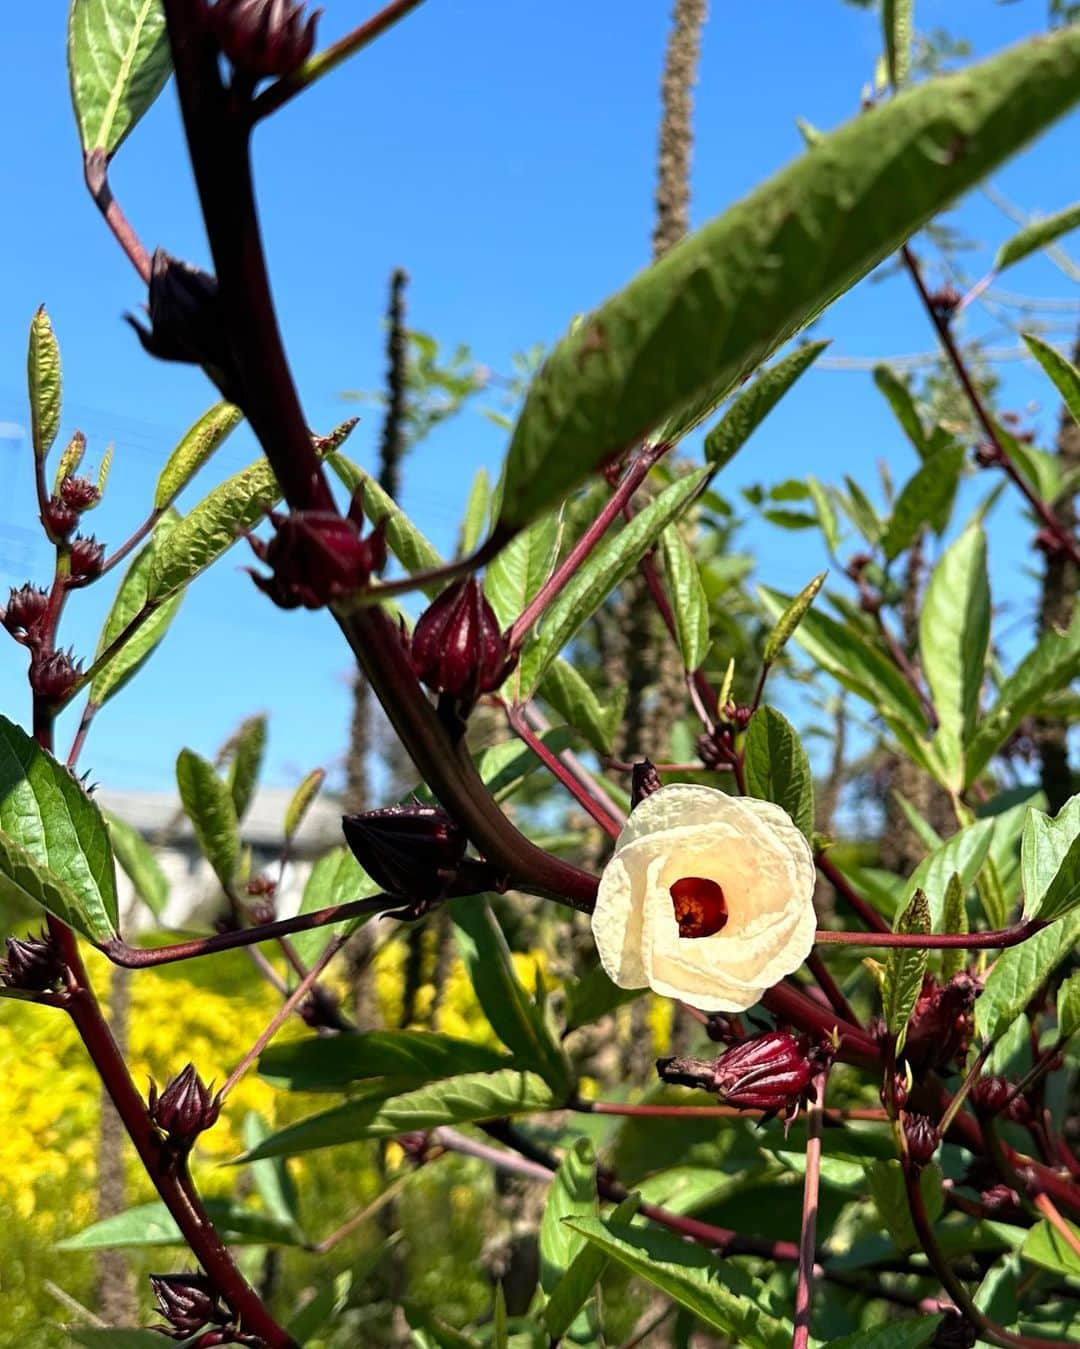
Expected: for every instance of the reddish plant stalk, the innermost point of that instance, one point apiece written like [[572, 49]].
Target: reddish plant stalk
[[808, 1234], [578, 789], [941, 941], [96, 169], [1049, 1211], [831, 988]]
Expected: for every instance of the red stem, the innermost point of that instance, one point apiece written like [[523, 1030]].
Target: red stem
[[579, 790], [808, 1233], [831, 988], [943, 941], [849, 894]]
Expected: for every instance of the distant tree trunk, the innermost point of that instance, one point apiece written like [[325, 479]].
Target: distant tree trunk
[[676, 124], [116, 1285], [1060, 579]]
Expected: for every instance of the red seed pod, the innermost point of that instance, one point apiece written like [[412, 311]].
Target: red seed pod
[[59, 519], [185, 321], [188, 1302], [53, 674], [32, 964], [989, 1094], [737, 715], [26, 607], [264, 38], [941, 1022], [714, 748], [413, 851], [87, 556], [644, 780], [185, 1108], [770, 1072], [321, 1009], [79, 493], [457, 646], [316, 557], [944, 301], [954, 1332], [921, 1136]]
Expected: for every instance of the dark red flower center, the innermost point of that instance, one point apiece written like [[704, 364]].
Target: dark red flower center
[[700, 907]]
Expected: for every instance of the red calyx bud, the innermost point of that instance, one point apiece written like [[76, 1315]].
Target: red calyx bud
[[954, 1332], [644, 780], [33, 964], [988, 455], [944, 300], [412, 851], [87, 556], [188, 1302], [898, 1083], [263, 38], [941, 1022], [79, 493], [768, 1072], [59, 519], [870, 601], [415, 1147], [724, 1028], [185, 1108], [921, 1136], [316, 557], [714, 748], [989, 1094], [52, 675], [857, 564], [737, 715], [185, 321], [25, 609], [999, 1197], [457, 647]]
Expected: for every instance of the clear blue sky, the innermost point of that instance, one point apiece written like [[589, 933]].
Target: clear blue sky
[[503, 153]]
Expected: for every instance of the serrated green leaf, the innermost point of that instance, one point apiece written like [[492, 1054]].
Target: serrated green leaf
[[139, 864], [860, 509], [1068, 1006], [688, 600], [826, 514], [477, 510], [118, 63], [195, 448], [953, 919], [720, 1294], [152, 1225], [70, 460], [573, 698], [605, 568], [514, 1016], [458, 1100], [301, 802], [790, 619], [954, 634], [54, 848], [1036, 235], [754, 403], [593, 996], [208, 804], [405, 541], [885, 1182], [522, 567], [43, 383], [1018, 973], [406, 1058], [1046, 1247], [910, 1333], [925, 499], [904, 969], [963, 854], [246, 748], [336, 878], [273, 1181], [132, 598], [1050, 862], [572, 1194], [897, 23], [1064, 374], [777, 768], [572, 1291]]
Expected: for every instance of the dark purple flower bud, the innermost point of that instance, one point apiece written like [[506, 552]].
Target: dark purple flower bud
[[321, 1009], [32, 964], [941, 1022], [87, 556], [954, 1332], [857, 564], [79, 493], [644, 780], [415, 1147], [737, 715], [870, 601], [988, 454], [26, 608], [53, 674], [457, 647], [897, 1085], [59, 519], [186, 323], [714, 748], [188, 1302], [1000, 1197], [185, 1108], [412, 851], [263, 38], [724, 1028], [767, 1072], [944, 300], [316, 557], [921, 1136], [989, 1094]]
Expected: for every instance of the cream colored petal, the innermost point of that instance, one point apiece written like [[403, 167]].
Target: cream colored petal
[[617, 923], [681, 805]]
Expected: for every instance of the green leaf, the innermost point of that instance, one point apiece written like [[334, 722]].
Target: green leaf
[[1053, 664], [152, 1225], [1064, 374], [691, 608], [209, 806], [593, 996], [826, 513], [904, 969], [477, 508], [274, 1184], [198, 444], [1018, 973], [1045, 1246], [246, 749], [861, 510], [499, 1331], [954, 919], [924, 500], [572, 1291], [963, 854], [899, 398], [407, 1058], [522, 567], [118, 63], [211, 529], [790, 619], [132, 597], [911, 1333], [70, 460], [301, 802], [610, 564], [330, 1300], [885, 1182], [43, 382], [336, 878], [504, 768], [458, 1100], [405, 541], [716, 305], [55, 845], [515, 1018], [120, 1339], [720, 1295], [571, 695], [1036, 235], [139, 864], [1050, 862], [897, 21], [572, 1194], [954, 633], [777, 768], [1068, 1006], [756, 401]]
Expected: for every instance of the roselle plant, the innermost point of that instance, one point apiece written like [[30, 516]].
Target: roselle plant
[[930, 1074]]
